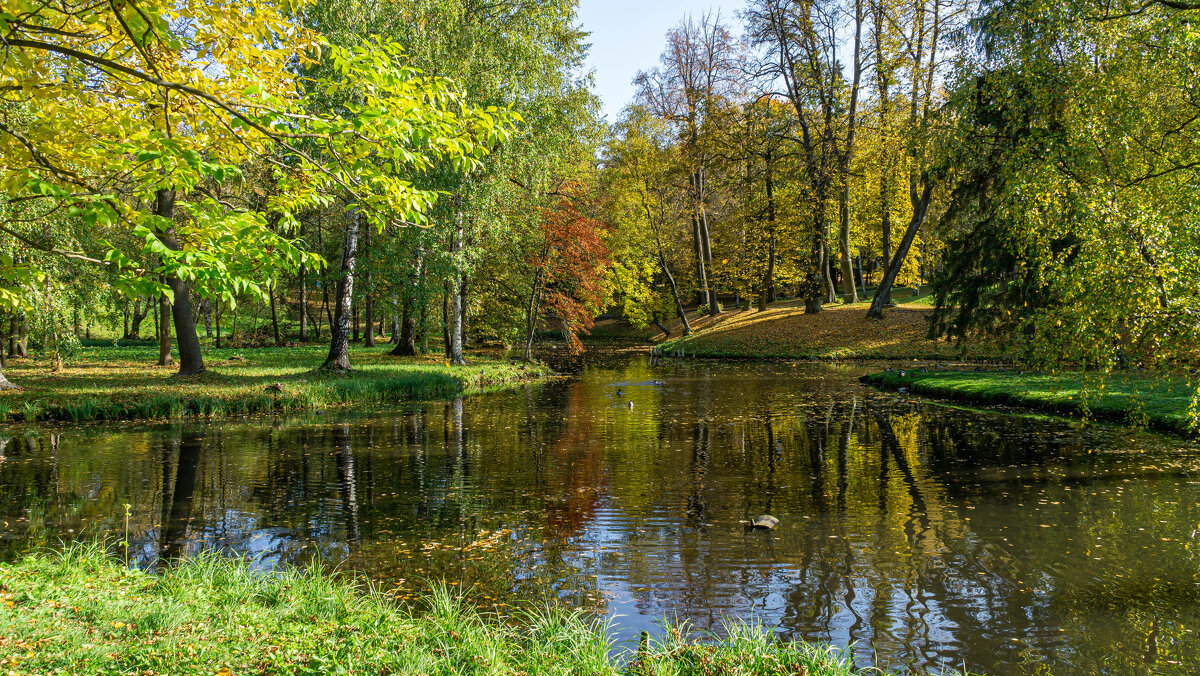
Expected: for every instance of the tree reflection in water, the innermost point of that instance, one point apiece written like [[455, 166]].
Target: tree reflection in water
[[920, 533]]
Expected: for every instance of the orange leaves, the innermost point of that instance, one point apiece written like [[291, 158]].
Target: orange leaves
[[571, 265]]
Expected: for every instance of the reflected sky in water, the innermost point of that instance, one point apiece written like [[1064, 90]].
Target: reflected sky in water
[[919, 533]]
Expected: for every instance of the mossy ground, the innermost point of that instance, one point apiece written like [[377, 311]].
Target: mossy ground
[[110, 382], [81, 612], [1156, 402]]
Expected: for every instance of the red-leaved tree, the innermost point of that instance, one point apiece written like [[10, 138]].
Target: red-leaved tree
[[568, 270]]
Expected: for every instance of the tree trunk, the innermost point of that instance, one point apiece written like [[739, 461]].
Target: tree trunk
[[446, 319], [456, 299], [406, 344], [769, 280], [701, 271], [661, 327], [218, 339], [16, 348], [463, 305], [395, 339], [339, 327], [23, 338], [862, 280], [191, 361], [422, 275], [274, 316], [883, 80], [847, 160], [303, 303], [57, 340], [885, 220], [207, 312], [814, 284], [369, 321], [368, 294], [830, 270], [135, 321], [531, 312], [708, 284], [662, 261], [848, 286], [164, 331], [714, 304], [354, 321], [4, 382], [328, 310], [920, 208]]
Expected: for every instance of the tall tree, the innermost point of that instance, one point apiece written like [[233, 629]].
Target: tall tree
[[645, 211], [803, 39], [1071, 223], [924, 64], [700, 64]]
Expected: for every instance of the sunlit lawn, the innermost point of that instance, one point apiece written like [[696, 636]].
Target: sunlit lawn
[[1158, 402], [842, 331], [124, 382]]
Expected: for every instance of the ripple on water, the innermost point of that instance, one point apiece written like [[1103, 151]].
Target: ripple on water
[[924, 535]]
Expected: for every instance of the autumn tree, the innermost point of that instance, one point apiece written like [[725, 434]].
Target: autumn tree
[[917, 71], [117, 128], [568, 270], [803, 42], [646, 211], [701, 63]]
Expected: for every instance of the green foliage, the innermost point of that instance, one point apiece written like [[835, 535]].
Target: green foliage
[[1071, 225], [166, 122]]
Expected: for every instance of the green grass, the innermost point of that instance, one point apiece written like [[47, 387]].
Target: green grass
[[1158, 403], [122, 383], [80, 611]]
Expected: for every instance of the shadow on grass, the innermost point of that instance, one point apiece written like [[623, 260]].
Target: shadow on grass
[[120, 383], [838, 332]]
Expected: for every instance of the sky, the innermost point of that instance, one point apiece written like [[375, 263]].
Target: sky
[[628, 36]]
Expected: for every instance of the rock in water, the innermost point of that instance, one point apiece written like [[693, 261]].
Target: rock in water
[[766, 522]]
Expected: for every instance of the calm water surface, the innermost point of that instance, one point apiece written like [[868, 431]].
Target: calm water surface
[[918, 533]]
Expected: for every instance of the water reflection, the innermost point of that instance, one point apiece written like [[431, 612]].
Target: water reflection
[[920, 533]]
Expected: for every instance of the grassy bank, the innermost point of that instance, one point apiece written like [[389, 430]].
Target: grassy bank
[[81, 612], [114, 383], [1161, 404], [783, 331]]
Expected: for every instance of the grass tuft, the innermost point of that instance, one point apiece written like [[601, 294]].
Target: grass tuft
[[77, 610]]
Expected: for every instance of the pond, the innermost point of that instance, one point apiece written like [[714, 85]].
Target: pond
[[918, 533]]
